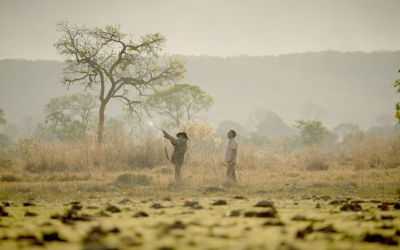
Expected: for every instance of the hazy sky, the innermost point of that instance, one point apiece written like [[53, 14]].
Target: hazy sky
[[209, 27]]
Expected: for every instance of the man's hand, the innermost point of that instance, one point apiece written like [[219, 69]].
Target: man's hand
[[165, 133]]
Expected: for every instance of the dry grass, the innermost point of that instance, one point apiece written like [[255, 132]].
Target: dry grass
[[361, 165]]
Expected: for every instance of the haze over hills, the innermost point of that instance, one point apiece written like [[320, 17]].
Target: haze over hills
[[335, 87]]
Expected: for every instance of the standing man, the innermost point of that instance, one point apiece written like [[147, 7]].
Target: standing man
[[231, 155], [180, 148]]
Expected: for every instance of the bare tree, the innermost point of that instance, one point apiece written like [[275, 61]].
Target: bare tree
[[108, 61]]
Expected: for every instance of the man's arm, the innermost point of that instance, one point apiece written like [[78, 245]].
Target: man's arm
[[173, 140]]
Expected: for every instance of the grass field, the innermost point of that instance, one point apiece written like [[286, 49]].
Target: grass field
[[68, 196], [333, 209]]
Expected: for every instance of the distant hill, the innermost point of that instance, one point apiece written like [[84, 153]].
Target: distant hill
[[333, 86]]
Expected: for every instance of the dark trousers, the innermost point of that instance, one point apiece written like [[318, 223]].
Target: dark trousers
[[230, 171], [178, 175]]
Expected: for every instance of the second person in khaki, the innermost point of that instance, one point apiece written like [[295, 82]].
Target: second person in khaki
[[231, 155]]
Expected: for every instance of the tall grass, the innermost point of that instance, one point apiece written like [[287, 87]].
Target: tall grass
[[359, 161]]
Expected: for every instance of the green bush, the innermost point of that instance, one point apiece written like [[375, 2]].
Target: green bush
[[129, 179], [9, 178]]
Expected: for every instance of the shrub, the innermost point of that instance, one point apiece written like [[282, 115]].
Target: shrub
[[68, 177], [37, 168], [10, 178], [128, 179], [317, 165], [166, 170], [5, 163]]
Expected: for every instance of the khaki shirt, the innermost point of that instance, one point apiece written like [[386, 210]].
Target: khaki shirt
[[231, 151], [180, 148]]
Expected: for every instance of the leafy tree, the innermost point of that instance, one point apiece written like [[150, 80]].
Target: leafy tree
[[4, 139], [397, 86], [312, 132], [2, 117], [179, 102], [226, 125], [107, 60], [269, 123], [70, 117]]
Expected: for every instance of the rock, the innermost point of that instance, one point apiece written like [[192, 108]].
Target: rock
[[6, 203], [52, 236], [378, 238], [197, 207], [31, 238], [358, 201], [384, 207], [125, 201], [234, 213], [75, 203], [114, 230], [3, 212], [273, 223], [387, 217], [102, 213], [97, 232], [385, 226], [327, 229], [30, 214], [141, 214], [76, 207], [270, 213], [28, 204], [299, 217], [318, 205], [70, 216], [219, 202], [176, 225], [355, 207], [337, 202], [112, 209], [190, 203], [375, 201], [239, 197], [310, 229], [265, 203], [157, 206], [302, 233], [325, 198]]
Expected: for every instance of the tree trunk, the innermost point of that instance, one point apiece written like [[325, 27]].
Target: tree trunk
[[100, 129]]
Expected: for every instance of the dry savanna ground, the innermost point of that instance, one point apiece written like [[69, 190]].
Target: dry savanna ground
[[60, 196]]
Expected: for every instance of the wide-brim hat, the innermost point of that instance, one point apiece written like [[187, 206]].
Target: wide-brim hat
[[183, 134]]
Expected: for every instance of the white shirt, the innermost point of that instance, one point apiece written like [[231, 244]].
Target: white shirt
[[231, 150]]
